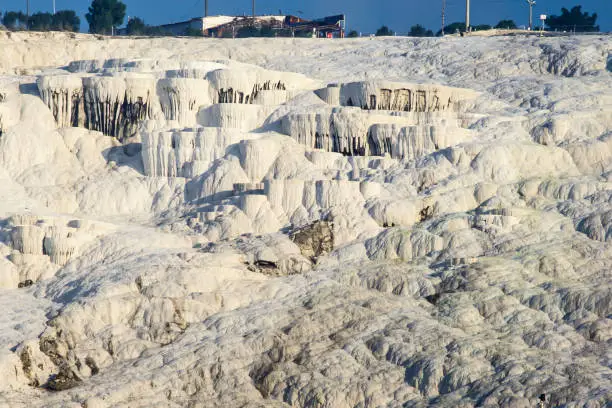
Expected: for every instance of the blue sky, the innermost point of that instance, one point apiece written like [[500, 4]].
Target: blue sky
[[362, 15]]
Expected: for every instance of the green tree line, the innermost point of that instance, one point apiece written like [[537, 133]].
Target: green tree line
[[573, 19], [63, 20]]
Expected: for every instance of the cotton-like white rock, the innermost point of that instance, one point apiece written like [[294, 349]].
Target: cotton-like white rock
[[189, 222], [385, 95], [181, 98]]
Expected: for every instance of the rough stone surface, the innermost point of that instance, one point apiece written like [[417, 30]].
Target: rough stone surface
[[315, 239], [309, 223]]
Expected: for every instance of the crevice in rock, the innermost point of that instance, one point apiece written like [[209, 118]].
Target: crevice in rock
[[26, 283], [26, 364], [231, 95], [65, 378], [426, 213], [89, 362]]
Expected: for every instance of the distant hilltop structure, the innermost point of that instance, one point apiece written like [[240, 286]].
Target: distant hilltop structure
[[229, 26]]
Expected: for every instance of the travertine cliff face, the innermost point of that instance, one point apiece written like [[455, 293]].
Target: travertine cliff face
[[390, 96], [118, 101], [116, 97], [112, 105], [42, 245], [409, 119], [428, 223], [9, 101]]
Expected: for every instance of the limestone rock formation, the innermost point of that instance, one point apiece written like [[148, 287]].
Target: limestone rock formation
[[314, 240], [116, 98], [202, 223]]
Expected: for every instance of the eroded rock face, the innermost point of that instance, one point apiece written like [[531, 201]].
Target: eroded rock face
[[389, 96], [116, 99], [409, 122], [42, 245], [253, 237], [315, 239]]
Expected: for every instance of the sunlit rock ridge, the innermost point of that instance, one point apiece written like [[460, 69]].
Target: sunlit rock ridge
[[380, 222]]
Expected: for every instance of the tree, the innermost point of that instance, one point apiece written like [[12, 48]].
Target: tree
[[384, 31], [40, 21], [506, 24], [194, 32], [353, 34], [481, 27], [266, 31], [160, 31], [303, 33], [252, 31], [104, 15], [573, 19], [136, 26], [283, 32], [247, 31], [15, 20], [453, 28], [420, 31], [66, 20]]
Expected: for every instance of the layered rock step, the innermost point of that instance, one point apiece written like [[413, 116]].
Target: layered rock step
[[116, 96], [355, 132], [376, 118], [188, 152], [403, 97], [42, 244]]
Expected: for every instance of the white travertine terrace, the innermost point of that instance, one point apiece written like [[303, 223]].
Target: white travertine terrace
[[115, 97], [386, 95], [9, 101], [401, 119], [181, 98], [199, 222], [187, 152]]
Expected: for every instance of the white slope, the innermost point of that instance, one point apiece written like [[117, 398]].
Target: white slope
[[309, 223]]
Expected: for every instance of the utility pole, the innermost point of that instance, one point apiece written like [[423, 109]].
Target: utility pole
[[531, 4], [28, 14], [53, 7], [467, 15], [205, 8], [443, 15], [253, 8]]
